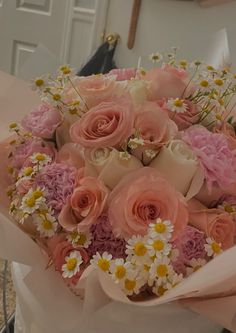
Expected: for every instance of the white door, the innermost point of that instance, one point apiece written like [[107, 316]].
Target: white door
[[68, 29]]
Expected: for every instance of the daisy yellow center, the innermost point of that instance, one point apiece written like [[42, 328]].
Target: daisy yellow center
[[183, 63], [210, 68], [40, 157], [47, 225], [140, 249], [120, 272], [65, 70], [74, 235], [178, 103], [218, 116], [13, 125], [146, 268], [130, 284], [30, 202], [162, 270], [82, 239], [155, 57], [219, 82], [56, 97], [161, 290], [221, 101], [229, 209], [196, 268], [160, 228], [71, 264], [39, 82], [28, 171], [104, 264], [158, 245], [37, 194], [73, 111], [204, 83], [215, 247]]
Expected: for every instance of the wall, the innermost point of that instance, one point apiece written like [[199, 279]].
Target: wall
[[166, 23]]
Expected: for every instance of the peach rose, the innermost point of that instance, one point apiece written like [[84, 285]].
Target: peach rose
[[107, 165], [94, 89], [107, 124], [213, 222], [140, 198], [155, 128], [166, 82], [85, 205], [71, 154]]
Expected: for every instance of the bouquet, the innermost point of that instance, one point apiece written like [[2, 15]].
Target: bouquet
[[131, 176]]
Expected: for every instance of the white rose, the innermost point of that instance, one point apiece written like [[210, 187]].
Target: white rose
[[179, 165]]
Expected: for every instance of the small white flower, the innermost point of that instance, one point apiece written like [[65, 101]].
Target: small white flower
[[157, 247], [212, 247], [39, 83], [83, 239], [27, 173], [40, 159], [102, 261], [195, 264], [32, 201], [156, 57], [159, 290], [72, 264], [135, 143], [46, 224], [124, 155], [151, 153], [173, 280], [160, 270], [132, 283], [13, 127], [120, 269], [137, 250], [161, 229], [176, 105]]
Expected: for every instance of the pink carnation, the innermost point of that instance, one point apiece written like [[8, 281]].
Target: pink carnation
[[103, 239], [123, 74], [59, 181], [217, 160], [190, 244], [22, 152], [42, 121]]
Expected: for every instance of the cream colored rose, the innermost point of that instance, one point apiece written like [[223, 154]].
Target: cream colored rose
[[179, 165], [109, 165]]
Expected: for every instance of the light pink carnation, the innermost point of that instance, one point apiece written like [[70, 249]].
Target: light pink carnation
[[59, 181], [123, 74], [218, 161], [42, 121]]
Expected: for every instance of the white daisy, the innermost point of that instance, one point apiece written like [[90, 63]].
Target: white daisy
[[13, 127], [132, 283], [151, 153], [159, 290], [46, 224], [120, 269], [124, 155], [195, 264], [102, 261], [137, 250], [156, 57], [162, 229], [27, 172], [72, 264], [212, 247], [40, 159], [160, 270], [39, 83], [176, 105], [135, 143], [83, 239], [173, 280], [32, 201], [157, 247]]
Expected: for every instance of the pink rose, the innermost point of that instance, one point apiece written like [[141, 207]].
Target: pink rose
[[228, 131], [24, 186], [71, 154], [213, 222], [85, 205], [108, 124], [42, 121], [123, 74], [155, 128], [60, 250], [165, 82], [94, 89], [140, 198]]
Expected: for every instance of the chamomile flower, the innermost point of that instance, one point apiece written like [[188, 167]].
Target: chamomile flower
[[40, 159], [204, 84], [72, 264], [39, 83], [32, 201], [137, 250], [212, 247], [124, 155], [151, 153], [227, 207], [13, 127], [135, 143], [157, 247], [162, 229], [65, 70], [156, 57], [159, 290], [173, 280], [176, 105], [132, 283], [46, 224], [195, 264], [102, 261], [120, 269], [83, 239], [160, 270]]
